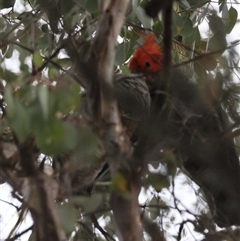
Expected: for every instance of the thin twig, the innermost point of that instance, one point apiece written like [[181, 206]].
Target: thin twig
[[20, 234], [18, 208], [205, 55], [96, 225]]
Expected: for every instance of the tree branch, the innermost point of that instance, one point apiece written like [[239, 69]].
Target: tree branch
[[106, 120]]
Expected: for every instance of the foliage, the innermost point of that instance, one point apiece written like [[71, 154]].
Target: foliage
[[41, 94]]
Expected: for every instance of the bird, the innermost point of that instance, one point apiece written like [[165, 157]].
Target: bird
[[133, 99], [187, 119]]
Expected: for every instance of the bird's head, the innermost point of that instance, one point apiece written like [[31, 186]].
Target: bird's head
[[148, 58]]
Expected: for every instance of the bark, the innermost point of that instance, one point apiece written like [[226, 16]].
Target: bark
[[39, 190], [106, 120]]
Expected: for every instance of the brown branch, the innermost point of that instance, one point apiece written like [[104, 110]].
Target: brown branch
[[18, 223], [96, 225], [5, 42], [232, 134], [39, 196], [126, 207], [20, 234], [37, 189], [182, 226], [11, 204], [106, 121], [229, 133]]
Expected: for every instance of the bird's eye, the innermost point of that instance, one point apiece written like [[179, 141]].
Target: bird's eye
[[147, 64]]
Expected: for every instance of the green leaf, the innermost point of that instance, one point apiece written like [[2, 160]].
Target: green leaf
[[67, 99], [7, 75], [177, 24], [43, 99], [187, 27], [170, 160], [153, 208], [70, 138], [3, 24], [158, 27], [67, 7], [197, 3], [53, 73], [90, 5], [185, 3], [121, 53], [216, 24], [7, 3], [181, 25], [158, 181], [69, 21], [194, 37], [24, 68], [37, 59], [233, 14], [64, 62], [54, 136], [49, 134], [203, 14], [217, 42], [88, 143], [67, 215], [18, 116], [135, 3], [225, 13], [10, 101], [209, 62], [9, 51], [143, 18], [87, 204]]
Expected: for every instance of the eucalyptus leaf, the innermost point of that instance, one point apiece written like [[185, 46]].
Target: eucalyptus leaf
[[216, 24], [121, 53], [7, 3], [158, 181], [230, 23], [21, 124], [90, 5], [67, 216], [143, 18], [196, 3], [225, 13], [218, 42], [87, 204], [43, 99], [193, 38], [177, 24], [187, 27], [8, 75], [53, 72], [181, 25], [37, 59], [9, 52]]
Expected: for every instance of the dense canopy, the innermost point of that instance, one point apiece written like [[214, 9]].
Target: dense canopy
[[66, 147]]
